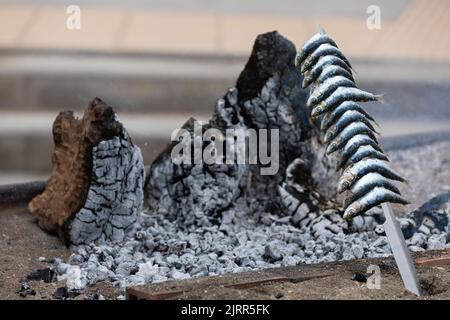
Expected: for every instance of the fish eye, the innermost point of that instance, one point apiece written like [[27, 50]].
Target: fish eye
[[313, 99], [352, 211]]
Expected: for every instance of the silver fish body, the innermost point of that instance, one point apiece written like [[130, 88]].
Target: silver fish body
[[330, 118], [344, 94], [347, 118], [313, 74], [364, 151], [363, 167], [353, 129], [312, 44], [325, 49], [332, 71], [366, 184], [348, 127], [324, 90], [353, 145], [375, 197]]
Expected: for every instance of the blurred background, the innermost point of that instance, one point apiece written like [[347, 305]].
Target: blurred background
[[160, 62]]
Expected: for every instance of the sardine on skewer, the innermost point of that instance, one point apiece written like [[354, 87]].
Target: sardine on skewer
[[312, 44], [355, 128], [344, 94], [363, 167], [325, 49], [313, 74], [330, 118], [375, 197], [324, 90], [353, 145], [364, 151], [366, 184], [347, 118], [330, 71], [347, 127]]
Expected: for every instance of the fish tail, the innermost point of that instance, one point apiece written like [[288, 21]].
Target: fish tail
[[321, 30], [376, 123], [305, 83], [400, 199], [379, 98]]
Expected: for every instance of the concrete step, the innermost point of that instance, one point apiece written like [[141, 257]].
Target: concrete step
[[172, 84], [26, 143]]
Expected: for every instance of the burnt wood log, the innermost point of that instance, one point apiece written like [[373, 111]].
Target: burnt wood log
[[12, 195], [95, 192], [267, 95]]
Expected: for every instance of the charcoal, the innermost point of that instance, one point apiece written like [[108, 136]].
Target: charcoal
[[47, 275]]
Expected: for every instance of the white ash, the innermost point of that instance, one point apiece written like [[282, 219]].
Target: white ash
[[115, 196], [160, 251], [74, 277]]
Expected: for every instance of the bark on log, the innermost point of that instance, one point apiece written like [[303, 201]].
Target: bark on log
[[267, 95], [95, 192]]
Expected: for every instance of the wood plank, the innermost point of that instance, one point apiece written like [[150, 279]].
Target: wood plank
[[434, 262], [243, 282]]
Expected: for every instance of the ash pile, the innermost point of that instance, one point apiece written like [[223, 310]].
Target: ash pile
[[210, 219]]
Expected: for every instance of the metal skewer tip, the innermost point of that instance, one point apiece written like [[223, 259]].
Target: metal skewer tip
[[400, 251]]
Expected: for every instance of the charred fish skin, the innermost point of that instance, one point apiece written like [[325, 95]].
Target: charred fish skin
[[375, 197], [364, 185], [363, 167], [324, 90], [347, 118], [331, 118], [313, 74], [365, 151], [332, 71], [344, 94], [312, 44], [355, 128], [323, 50]]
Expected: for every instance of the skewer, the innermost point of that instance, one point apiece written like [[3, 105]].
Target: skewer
[[400, 251]]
